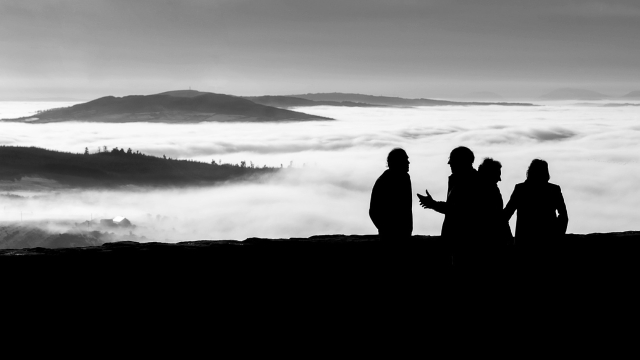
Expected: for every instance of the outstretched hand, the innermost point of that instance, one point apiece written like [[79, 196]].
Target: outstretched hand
[[426, 201]]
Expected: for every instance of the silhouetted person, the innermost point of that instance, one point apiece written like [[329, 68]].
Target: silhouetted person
[[391, 197], [494, 227], [462, 207], [542, 214]]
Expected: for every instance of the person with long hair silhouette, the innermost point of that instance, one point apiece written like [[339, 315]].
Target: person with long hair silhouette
[[542, 214], [391, 199], [494, 228]]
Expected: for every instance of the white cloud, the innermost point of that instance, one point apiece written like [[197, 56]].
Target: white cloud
[[593, 152]]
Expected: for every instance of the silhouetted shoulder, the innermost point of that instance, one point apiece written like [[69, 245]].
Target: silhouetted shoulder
[[532, 188], [550, 189], [390, 174], [518, 190], [554, 187], [389, 177]]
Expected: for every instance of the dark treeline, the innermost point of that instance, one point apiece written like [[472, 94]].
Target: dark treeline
[[117, 167], [38, 112]]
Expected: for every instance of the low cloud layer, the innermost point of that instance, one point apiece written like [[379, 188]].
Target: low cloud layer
[[593, 153]]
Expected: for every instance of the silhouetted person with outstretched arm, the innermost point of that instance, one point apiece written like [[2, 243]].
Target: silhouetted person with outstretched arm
[[391, 197], [542, 214], [462, 208], [494, 226]]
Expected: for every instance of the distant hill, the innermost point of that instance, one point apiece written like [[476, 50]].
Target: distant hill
[[633, 95], [184, 93], [394, 101], [182, 106], [619, 105], [574, 94], [115, 168], [291, 101]]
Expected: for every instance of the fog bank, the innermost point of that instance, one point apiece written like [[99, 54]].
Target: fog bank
[[593, 153]]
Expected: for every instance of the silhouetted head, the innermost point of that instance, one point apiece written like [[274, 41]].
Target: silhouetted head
[[538, 171], [491, 170], [461, 159], [398, 160]]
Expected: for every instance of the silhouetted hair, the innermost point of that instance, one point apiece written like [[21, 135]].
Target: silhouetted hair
[[538, 171], [489, 166], [462, 154], [396, 155]]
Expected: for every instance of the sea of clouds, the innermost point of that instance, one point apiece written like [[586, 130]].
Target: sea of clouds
[[593, 154]]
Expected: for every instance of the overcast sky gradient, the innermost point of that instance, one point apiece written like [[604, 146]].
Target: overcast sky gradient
[[413, 48]]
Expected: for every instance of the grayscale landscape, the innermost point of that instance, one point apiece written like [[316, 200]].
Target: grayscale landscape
[[227, 120]]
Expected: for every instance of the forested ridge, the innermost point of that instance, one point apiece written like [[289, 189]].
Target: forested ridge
[[116, 168]]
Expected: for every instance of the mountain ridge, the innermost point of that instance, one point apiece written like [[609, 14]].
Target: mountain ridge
[[292, 101], [181, 106], [574, 94], [395, 101], [632, 95]]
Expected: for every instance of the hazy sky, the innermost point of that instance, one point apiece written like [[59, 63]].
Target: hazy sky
[[413, 48]]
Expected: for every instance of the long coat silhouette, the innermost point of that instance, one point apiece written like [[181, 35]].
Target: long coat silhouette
[[494, 228], [462, 209], [537, 204], [390, 207]]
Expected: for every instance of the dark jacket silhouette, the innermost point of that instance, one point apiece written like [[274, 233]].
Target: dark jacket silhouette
[[493, 227], [461, 209], [390, 208], [537, 203]]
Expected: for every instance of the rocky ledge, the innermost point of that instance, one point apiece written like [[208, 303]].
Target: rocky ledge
[[328, 253], [332, 276]]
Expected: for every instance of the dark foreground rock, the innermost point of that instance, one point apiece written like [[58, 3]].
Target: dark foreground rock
[[331, 287], [325, 254]]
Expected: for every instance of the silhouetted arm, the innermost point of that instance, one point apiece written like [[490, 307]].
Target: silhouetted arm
[[512, 205], [439, 206], [428, 202], [563, 217]]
